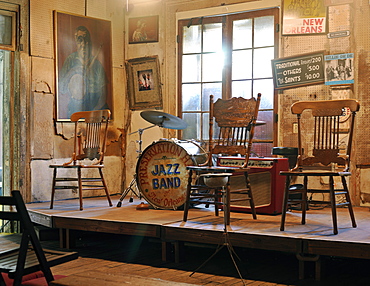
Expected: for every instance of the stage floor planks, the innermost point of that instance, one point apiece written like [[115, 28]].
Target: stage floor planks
[[314, 238]]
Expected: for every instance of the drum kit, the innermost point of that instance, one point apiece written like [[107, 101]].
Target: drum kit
[[161, 174]]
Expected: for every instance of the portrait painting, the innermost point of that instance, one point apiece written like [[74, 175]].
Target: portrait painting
[[83, 64], [143, 29], [143, 82]]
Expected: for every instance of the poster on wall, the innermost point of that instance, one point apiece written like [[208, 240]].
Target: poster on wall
[[298, 70], [143, 30], [304, 17], [83, 64], [339, 69]]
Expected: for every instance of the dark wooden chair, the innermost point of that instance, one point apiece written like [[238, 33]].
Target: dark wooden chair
[[325, 133], [22, 254], [90, 137], [210, 184]]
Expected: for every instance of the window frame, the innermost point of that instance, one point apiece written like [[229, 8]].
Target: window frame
[[13, 16], [227, 21]]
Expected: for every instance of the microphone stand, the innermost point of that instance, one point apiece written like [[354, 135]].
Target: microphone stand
[[133, 188]]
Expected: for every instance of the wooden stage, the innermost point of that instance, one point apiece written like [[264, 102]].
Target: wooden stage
[[309, 242]]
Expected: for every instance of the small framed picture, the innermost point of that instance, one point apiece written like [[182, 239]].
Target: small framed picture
[[143, 30], [143, 82]]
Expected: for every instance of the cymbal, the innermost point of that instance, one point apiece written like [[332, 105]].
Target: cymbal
[[164, 119]]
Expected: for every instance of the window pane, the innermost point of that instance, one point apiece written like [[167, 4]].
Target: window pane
[[191, 68], [208, 89], [242, 89], [242, 34], [5, 30], [192, 39], [262, 149], [242, 65], [264, 31], [212, 67], [262, 62], [266, 88], [212, 37], [205, 131], [191, 97], [264, 132], [193, 121]]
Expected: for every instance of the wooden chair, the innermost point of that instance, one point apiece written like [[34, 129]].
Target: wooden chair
[[90, 138], [208, 184], [325, 133], [19, 259]]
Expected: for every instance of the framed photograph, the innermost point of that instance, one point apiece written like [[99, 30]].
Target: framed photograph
[[143, 80], [83, 51], [304, 17], [7, 30], [339, 69], [143, 30]]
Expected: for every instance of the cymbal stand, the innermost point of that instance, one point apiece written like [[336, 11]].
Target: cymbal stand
[[226, 241], [133, 188]]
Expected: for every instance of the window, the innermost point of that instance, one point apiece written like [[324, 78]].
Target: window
[[228, 56], [7, 30]]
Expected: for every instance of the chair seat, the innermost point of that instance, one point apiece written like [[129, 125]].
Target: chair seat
[[76, 166], [217, 169], [314, 173]]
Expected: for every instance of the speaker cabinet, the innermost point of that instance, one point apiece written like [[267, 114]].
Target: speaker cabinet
[[266, 183]]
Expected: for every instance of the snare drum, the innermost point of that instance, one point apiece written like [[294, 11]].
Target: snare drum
[[161, 171]]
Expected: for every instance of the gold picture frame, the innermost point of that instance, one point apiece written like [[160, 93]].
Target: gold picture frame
[[143, 80]]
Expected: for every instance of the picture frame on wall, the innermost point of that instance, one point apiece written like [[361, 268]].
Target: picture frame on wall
[[339, 69], [143, 80], [304, 17], [143, 29], [83, 51]]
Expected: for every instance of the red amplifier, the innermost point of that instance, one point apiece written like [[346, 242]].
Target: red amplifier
[[266, 183]]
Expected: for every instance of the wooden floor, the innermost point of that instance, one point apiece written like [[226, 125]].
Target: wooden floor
[[122, 244]]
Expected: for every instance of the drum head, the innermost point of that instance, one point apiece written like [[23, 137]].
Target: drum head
[[162, 176]]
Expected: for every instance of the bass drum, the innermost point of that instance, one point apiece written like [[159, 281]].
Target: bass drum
[[161, 171]]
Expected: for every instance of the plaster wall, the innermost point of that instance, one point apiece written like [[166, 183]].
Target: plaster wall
[[51, 140]]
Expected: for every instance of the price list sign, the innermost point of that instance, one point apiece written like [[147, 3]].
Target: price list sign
[[298, 70]]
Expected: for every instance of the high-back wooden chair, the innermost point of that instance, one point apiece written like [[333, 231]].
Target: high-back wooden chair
[[24, 255], [325, 133], [209, 184], [90, 138]]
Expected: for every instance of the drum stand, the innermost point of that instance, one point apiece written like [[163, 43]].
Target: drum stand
[[226, 242], [133, 188]]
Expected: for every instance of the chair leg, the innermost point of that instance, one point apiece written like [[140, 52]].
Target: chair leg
[[187, 199], [250, 194], [105, 187], [304, 200], [350, 209], [333, 205], [285, 203], [79, 187], [53, 188]]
